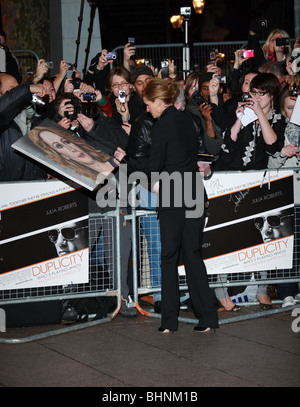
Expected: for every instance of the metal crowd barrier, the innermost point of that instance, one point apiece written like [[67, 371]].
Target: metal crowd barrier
[[145, 231], [104, 278], [105, 271], [199, 54]]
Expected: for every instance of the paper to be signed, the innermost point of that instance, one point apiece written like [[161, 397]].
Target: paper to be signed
[[246, 117]]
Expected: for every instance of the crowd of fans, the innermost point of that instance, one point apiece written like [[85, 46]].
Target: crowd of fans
[[265, 85]]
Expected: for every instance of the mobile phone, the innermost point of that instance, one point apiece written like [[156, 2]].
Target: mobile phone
[[248, 53], [111, 55], [131, 40], [282, 41], [164, 69]]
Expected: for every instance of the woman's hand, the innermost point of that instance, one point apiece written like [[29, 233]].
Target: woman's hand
[[122, 109], [86, 122], [119, 154], [289, 150], [65, 123], [66, 106], [253, 104]]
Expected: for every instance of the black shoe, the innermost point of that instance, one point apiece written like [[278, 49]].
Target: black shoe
[[157, 307], [69, 316], [127, 311]]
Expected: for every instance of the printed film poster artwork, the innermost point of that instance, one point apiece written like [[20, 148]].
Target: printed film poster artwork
[[67, 154], [251, 223], [44, 238]]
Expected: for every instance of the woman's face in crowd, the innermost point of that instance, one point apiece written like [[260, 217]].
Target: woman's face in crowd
[[263, 97], [272, 44], [194, 87], [288, 106], [119, 83], [66, 148], [247, 80], [154, 108]]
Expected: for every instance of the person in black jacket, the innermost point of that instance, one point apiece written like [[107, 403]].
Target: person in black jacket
[[174, 152], [14, 99]]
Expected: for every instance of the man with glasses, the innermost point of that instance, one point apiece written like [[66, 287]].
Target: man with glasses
[[274, 226], [70, 238], [67, 239]]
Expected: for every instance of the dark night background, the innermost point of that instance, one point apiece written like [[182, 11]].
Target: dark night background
[[222, 20]]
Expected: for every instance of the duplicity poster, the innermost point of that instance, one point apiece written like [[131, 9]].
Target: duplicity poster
[[251, 222], [43, 235]]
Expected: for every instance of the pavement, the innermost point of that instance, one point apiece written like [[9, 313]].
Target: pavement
[[251, 348]]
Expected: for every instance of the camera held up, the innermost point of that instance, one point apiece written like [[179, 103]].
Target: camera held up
[[88, 108]]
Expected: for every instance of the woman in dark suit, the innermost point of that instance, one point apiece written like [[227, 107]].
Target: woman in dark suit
[[180, 205]]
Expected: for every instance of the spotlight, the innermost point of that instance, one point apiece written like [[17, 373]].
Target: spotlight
[[198, 6]]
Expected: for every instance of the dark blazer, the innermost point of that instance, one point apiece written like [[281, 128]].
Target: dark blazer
[[174, 150]]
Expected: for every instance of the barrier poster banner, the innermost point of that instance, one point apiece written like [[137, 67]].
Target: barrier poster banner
[[251, 222], [71, 156], [43, 235]]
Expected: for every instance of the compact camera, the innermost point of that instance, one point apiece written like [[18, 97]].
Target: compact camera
[[76, 83], [198, 98], [37, 100], [294, 91], [122, 96], [282, 41], [248, 53], [245, 96], [111, 55], [222, 79], [49, 63], [88, 97], [213, 55], [185, 11], [148, 62], [164, 69]]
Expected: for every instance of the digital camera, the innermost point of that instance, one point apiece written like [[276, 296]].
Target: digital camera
[[185, 11], [294, 91], [122, 96], [248, 53], [222, 79], [198, 98], [76, 83], [88, 97], [89, 109], [111, 55], [282, 41], [164, 69], [245, 96]]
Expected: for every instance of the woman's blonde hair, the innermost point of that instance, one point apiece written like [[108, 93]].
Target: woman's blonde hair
[[283, 33], [53, 155], [161, 89]]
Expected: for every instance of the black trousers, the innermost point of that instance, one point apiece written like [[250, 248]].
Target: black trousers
[[178, 232]]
